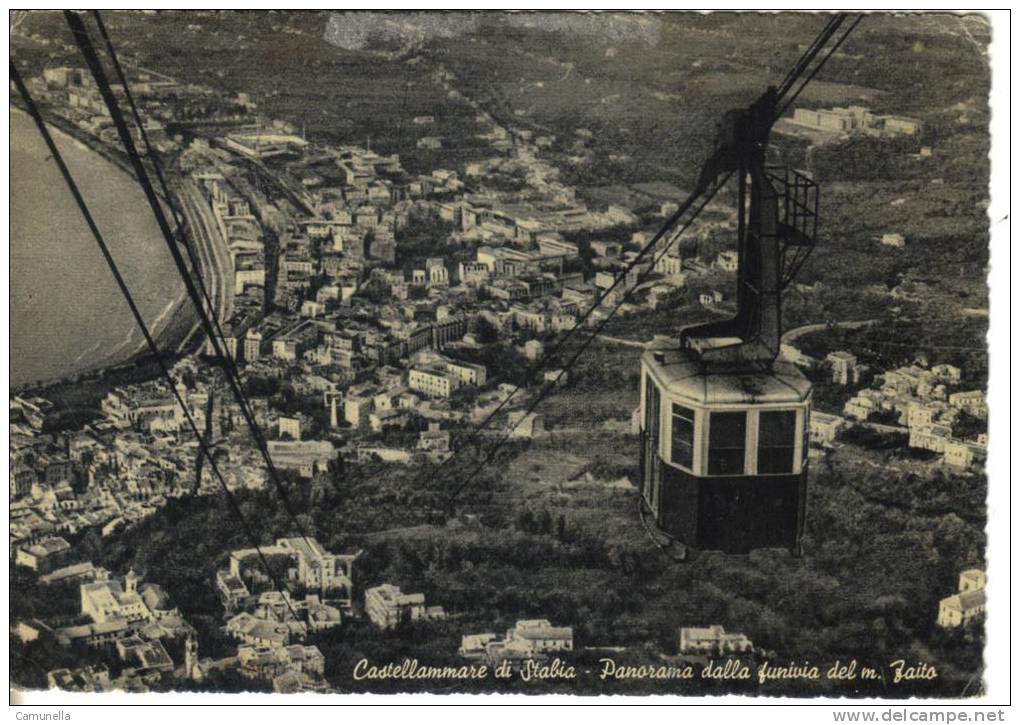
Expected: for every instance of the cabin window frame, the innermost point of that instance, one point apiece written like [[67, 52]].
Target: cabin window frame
[[653, 441], [736, 452], [762, 451], [692, 445]]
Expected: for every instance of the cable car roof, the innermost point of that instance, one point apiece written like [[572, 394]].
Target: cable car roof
[[681, 375]]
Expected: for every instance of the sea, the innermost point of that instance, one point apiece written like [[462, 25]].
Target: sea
[[67, 315]]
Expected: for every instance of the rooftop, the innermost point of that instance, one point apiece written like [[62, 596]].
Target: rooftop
[[966, 601], [47, 547], [685, 378]]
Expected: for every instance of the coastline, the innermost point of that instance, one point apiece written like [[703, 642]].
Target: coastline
[[64, 127], [176, 328]]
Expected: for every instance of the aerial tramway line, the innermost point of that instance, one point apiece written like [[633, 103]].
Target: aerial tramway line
[[175, 237], [204, 450], [723, 424], [207, 317]]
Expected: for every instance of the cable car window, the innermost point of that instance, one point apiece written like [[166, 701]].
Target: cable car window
[[726, 443], [682, 452], [777, 431]]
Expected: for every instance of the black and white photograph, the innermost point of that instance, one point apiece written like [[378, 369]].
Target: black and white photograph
[[546, 354]]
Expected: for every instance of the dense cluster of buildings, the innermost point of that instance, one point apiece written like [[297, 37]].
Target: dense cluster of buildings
[[122, 467], [136, 620], [43, 556], [75, 92], [315, 299], [927, 401], [271, 625], [310, 568], [931, 404], [143, 626], [72, 93]]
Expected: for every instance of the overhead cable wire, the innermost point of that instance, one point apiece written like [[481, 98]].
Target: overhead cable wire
[[820, 40], [157, 165], [821, 64], [561, 342], [551, 385], [790, 79], [88, 51], [136, 313]]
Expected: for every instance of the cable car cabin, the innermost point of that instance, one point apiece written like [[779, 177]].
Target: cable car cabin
[[723, 420], [724, 453]]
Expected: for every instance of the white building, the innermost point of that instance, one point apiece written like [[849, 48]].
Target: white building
[[433, 382], [859, 408], [728, 260], [357, 408], [434, 440], [108, 601], [473, 646], [971, 401], [304, 457], [473, 272], [670, 265], [712, 297], [967, 603], [845, 370], [530, 639], [252, 345], [467, 373], [533, 349], [330, 575], [387, 607], [713, 640], [91, 678], [824, 428], [289, 426], [961, 454], [285, 349], [920, 414], [930, 437], [542, 637], [251, 630], [437, 273]]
